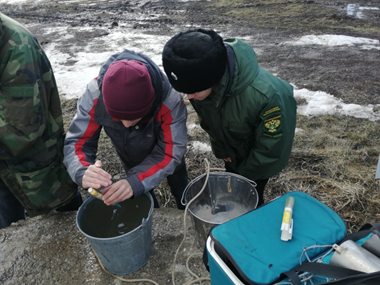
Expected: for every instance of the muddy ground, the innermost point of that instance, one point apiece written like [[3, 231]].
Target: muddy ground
[[346, 72]]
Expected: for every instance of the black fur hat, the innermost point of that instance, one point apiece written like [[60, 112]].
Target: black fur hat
[[194, 60]]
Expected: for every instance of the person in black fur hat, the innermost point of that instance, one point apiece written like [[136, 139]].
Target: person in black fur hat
[[249, 114]]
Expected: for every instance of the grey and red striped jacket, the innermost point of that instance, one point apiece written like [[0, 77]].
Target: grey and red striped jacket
[[149, 151]]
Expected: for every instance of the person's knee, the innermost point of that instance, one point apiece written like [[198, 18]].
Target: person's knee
[[73, 205]]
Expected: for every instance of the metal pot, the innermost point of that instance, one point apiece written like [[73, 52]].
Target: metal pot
[[225, 197], [350, 255]]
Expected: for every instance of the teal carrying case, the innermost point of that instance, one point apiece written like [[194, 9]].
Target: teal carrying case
[[249, 249]]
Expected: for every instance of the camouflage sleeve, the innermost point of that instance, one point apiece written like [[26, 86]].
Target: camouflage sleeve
[[27, 87]]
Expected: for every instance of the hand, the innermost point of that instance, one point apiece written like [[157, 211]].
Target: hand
[[96, 177], [228, 159], [117, 192]]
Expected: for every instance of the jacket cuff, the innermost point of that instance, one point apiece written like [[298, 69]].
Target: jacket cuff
[[137, 187], [79, 176]]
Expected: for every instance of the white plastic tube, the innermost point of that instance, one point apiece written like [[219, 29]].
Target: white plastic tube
[[287, 220]]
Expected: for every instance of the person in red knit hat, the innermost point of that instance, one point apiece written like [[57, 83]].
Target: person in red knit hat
[[146, 120], [127, 89]]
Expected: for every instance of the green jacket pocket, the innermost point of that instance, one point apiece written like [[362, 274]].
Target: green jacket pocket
[[48, 187]]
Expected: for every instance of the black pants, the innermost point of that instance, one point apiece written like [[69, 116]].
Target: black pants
[[177, 183], [259, 187], [11, 209]]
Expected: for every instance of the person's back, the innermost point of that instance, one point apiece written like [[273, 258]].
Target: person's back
[[32, 173]]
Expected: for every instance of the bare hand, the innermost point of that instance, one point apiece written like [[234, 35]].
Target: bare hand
[[117, 192], [96, 177], [228, 159]]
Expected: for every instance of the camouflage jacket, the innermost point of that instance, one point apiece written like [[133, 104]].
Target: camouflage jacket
[[31, 124]]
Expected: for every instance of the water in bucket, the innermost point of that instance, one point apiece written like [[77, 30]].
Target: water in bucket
[[112, 221], [120, 236]]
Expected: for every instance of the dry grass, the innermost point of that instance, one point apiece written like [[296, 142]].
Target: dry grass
[[297, 15], [334, 159]]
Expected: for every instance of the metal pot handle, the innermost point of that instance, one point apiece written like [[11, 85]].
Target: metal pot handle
[[183, 199], [254, 184]]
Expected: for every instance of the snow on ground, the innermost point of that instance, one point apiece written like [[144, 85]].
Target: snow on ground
[[321, 103], [200, 147], [337, 40], [355, 10], [72, 80]]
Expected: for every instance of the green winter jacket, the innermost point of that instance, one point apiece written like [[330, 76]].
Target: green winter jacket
[[31, 125], [254, 123]]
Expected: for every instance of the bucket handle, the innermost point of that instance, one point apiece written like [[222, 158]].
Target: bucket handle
[[254, 184], [183, 199], [144, 222]]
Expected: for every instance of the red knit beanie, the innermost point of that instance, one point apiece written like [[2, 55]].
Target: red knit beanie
[[128, 92]]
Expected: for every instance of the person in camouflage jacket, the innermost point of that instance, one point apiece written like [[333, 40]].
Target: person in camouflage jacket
[[32, 174], [249, 114]]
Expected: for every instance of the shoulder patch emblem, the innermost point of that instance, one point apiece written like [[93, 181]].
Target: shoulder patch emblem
[[275, 109], [272, 125]]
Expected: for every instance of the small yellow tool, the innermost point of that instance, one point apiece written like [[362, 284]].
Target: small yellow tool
[[97, 194]]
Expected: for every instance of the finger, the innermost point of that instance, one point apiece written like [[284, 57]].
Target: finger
[[116, 193], [91, 177], [105, 191], [94, 171], [98, 164], [114, 197], [96, 179], [87, 183]]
